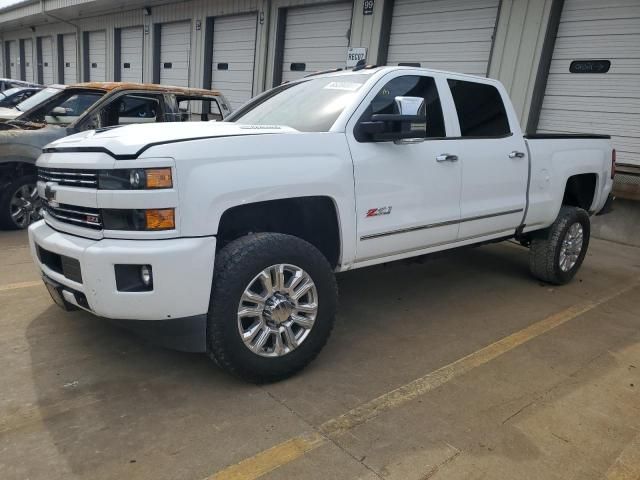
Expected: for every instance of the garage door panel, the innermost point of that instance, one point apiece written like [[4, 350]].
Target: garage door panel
[[445, 34], [175, 51], [316, 36], [97, 56], [602, 102], [69, 58], [14, 65], [234, 40], [623, 66], [46, 45], [131, 46], [28, 60]]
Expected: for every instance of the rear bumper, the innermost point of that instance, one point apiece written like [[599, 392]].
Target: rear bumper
[[182, 273]]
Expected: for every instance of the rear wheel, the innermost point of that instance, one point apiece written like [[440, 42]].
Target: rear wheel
[[19, 203], [273, 306], [557, 253]]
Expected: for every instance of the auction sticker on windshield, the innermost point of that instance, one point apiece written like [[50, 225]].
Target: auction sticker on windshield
[[348, 86]]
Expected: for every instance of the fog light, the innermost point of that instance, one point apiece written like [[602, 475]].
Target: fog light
[[146, 276]]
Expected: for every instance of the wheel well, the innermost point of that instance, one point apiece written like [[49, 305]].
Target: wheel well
[[580, 191], [313, 219]]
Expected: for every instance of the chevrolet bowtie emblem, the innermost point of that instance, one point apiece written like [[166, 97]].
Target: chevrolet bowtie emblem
[[50, 192]]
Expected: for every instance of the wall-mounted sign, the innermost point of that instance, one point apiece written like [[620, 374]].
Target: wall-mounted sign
[[367, 7], [354, 55], [590, 66]]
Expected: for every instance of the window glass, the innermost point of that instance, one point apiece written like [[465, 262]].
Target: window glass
[[480, 109], [194, 110], [125, 110], [410, 86], [63, 109], [38, 98], [311, 105]]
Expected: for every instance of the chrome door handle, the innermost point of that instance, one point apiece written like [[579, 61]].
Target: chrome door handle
[[446, 157], [516, 154]]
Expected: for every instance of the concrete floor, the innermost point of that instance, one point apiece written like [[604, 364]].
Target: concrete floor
[[554, 396]]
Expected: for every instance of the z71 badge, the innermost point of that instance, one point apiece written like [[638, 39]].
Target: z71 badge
[[374, 212]]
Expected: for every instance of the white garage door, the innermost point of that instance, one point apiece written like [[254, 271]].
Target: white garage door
[[14, 65], [131, 45], [97, 56], [234, 48], [69, 58], [453, 35], [28, 60], [46, 44], [315, 38], [69, 53], [175, 51], [605, 103]]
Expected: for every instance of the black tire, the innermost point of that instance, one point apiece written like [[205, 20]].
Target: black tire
[[235, 267], [7, 222], [544, 252]]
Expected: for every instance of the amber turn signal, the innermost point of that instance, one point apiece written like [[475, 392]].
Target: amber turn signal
[[159, 178], [160, 219]]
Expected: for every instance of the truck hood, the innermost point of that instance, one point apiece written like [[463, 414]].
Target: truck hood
[[132, 140], [25, 144]]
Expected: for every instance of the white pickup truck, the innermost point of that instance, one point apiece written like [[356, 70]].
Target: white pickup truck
[[225, 237]]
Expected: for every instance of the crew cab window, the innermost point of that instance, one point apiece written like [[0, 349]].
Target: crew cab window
[[410, 86], [481, 112], [198, 110]]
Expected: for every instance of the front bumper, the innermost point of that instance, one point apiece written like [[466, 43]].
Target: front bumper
[[182, 274]]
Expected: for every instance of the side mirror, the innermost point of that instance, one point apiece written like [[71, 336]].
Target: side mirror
[[59, 112], [409, 125]]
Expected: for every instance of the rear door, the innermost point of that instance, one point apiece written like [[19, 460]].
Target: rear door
[[494, 159]]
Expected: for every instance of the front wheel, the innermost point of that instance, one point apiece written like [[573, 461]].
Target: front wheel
[[19, 203], [557, 252], [273, 305]]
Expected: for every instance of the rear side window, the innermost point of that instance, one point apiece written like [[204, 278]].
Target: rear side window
[[480, 109]]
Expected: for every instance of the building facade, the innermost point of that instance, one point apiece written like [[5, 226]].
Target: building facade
[[569, 65]]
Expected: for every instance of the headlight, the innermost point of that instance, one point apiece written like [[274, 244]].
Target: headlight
[[135, 179], [142, 220]]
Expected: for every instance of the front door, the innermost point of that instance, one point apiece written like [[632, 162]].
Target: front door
[[407, 196]]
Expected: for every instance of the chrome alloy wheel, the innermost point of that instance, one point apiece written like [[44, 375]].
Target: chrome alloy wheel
[[25, 205], [571, 247], [277, 310]]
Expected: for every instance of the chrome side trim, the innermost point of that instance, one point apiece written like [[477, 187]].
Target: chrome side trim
[[509, 232], [439, 224]]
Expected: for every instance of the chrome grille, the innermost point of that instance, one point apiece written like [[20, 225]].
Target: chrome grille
[[80, 216], [69, 177]]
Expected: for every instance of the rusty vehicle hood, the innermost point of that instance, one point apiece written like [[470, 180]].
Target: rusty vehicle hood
[[26, 145]]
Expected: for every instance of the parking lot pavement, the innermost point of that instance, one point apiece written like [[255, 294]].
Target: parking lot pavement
[[460, 367]]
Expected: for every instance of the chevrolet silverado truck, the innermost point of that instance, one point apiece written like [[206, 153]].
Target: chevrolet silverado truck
[[225, 237], [58, 111]]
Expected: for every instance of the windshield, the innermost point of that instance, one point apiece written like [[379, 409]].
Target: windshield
[[64, 108], [311, 105], [37, 98], [11, 91]]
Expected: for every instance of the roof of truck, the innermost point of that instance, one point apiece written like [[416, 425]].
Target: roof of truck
[[111, 86]]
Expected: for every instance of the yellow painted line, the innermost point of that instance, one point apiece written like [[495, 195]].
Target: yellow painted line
[[15, 286], [627, 465], [288, 451], [268, 460]]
